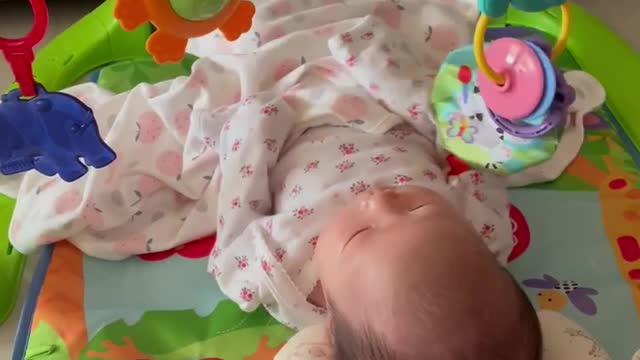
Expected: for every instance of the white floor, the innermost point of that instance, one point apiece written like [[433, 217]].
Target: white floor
[[15, 20]]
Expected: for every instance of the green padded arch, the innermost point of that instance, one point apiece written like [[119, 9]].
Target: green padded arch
[[11, 263]]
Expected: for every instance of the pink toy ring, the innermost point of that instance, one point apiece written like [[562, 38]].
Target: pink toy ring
[[524, 76]]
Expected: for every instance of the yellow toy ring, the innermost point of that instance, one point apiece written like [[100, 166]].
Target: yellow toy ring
[[481, 29]]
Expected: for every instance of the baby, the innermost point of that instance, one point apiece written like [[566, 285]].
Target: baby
[[455, 302], [323, 217]]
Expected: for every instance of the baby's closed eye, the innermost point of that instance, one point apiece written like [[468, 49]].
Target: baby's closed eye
[[359, 232]]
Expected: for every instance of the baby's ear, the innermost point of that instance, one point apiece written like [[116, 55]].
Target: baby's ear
[[310, 343], [590, 95]]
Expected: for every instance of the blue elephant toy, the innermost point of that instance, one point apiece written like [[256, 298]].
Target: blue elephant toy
[[497, 8], [50, 133]]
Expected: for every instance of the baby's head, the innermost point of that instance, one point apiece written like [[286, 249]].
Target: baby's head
[[406, 277]]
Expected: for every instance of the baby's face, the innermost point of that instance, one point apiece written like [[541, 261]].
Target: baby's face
[[388, 241]]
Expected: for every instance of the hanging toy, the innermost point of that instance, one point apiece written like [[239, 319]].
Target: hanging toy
[[179, 20], [45, 131], [517, 79], [499, 105]]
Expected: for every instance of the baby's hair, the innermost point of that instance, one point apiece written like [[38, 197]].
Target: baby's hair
[[363, 343], [356, 344]]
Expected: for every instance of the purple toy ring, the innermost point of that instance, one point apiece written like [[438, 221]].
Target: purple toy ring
[[555, 117]]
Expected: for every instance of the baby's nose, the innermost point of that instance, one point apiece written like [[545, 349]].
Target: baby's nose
[[384, 200]]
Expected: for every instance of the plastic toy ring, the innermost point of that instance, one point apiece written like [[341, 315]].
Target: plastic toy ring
[[481, 29], [19, 52], [168, 43], [163, 16], [40, 21]]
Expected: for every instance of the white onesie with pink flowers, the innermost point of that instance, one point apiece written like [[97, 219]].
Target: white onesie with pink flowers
[[283, 180], [278, 198], [284, 177]]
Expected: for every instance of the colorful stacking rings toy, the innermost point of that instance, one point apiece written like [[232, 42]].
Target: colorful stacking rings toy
[[481, 29], [516, 78]]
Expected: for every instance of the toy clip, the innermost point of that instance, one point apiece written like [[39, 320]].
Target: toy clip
[[19, 52], [50, 133]]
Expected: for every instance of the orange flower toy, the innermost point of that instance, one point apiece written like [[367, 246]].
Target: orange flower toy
[[177, 21]]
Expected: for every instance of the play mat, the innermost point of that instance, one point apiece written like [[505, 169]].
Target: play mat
[[577, 239]]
